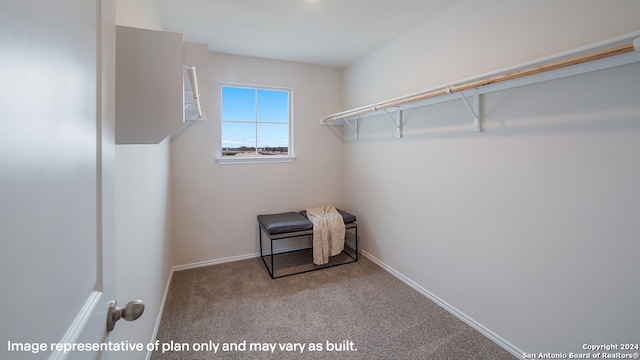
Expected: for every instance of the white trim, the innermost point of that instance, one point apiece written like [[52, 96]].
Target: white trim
[[160, 313], [443, 304], [255, 159], [214, 262], [77, 326], [233, 258]]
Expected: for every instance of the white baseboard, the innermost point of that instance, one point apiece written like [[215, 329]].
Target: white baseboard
[[443, 304], [229, 259], [214, 262], [159, 318], [241, 257]]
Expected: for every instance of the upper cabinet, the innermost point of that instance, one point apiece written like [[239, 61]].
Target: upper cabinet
[[154, 94]]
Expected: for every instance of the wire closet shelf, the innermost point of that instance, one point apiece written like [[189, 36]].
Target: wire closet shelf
[[615, 52]]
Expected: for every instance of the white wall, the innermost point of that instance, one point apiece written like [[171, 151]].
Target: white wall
[[215, 206], [529, 228], [143, 214]]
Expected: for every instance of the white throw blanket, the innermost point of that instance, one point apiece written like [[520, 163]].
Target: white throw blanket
[[328, 232]]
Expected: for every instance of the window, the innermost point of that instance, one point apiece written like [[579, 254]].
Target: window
[[255, 123]]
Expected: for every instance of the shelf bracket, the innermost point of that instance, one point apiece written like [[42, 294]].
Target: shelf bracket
[[475, 109], [397, 121], [354, 127]]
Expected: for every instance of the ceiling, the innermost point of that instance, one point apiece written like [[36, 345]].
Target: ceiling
[[325, 32]]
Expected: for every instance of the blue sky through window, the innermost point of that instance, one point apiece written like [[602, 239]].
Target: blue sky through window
[[254, 117]]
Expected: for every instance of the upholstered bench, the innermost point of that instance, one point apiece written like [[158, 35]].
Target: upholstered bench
[[296, 224]]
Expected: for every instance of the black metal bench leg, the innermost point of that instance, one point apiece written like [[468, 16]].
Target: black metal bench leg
[[273, 270], [270, 271], [356, 243]]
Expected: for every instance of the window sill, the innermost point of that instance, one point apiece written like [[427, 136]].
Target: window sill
[[255, 159]]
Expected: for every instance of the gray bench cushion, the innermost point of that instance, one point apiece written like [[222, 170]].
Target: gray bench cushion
[[284, 222], [346, 217], [293, 221]]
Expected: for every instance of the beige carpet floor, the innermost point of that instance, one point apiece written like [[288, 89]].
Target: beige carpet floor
[[354, 311]]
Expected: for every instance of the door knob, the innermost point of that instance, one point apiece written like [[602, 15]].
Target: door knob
[[130, 312]]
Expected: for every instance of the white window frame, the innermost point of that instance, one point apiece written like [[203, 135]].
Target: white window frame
[[258, 158]]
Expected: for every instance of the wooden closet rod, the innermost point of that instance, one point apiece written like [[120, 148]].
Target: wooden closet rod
[[617, 50]]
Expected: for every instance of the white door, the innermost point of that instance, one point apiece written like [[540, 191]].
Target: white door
[[56, 177]]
